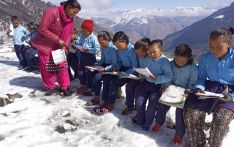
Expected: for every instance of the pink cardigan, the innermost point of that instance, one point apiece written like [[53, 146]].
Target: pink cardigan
[[50, 30]]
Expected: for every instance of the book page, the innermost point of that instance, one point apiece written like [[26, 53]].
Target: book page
[[144, 71], [111, 73], [209, 95], [123, 75], [78, 47], [92, 68], [58, 56], [173, 94]]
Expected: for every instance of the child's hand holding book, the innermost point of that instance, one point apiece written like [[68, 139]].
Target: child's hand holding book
[[101, 69], [153, 77]]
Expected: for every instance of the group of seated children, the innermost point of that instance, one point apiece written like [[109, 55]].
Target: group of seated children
[[215, 73]]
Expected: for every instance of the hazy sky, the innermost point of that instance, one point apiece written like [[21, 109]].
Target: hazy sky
[[98, 7]]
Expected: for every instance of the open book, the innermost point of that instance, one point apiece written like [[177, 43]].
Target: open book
[[173, 96], [92, 68], [77, 47], [144, 71], [111, 73], [123, 75], [208, 95], [58, 56]]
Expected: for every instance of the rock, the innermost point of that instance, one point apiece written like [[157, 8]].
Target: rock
[[4, 101], [14, 96], [71, 123], [66, 114], [60, 129]]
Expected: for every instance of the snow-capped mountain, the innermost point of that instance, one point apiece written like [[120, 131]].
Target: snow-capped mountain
[[150, 26], [197, 34], [153, 23], [128, 15]]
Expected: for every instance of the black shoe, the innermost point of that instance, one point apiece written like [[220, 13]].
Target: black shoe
[[49, 92], [67, 92], [58, 90]]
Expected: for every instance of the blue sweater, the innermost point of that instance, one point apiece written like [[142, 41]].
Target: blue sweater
[[91, 43], [127, 59], [161, 68], [186, 76], [109, 57], [142, 61], [19, 35], [220, 71]]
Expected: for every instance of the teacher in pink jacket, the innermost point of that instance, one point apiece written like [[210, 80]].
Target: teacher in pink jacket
[[55, 30]]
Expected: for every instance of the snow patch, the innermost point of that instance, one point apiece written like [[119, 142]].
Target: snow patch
[[219, 17]]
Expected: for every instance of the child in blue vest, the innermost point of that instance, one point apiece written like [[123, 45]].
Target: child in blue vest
[[19, 34], [149, 90], [127, 60], [141, 49], [90, 46], [215, 74], [108, 63], [185, 75], [72, 59], [29, 52]]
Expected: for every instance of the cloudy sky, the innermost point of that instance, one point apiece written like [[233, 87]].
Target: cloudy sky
[[106, 7]]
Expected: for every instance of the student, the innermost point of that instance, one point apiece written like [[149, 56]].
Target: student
[[127, 60], [185, 75], [90, 46], [19, 34], [141, 49], [107, 63], [55, 31], [72, 59], [215, 74], [31, 53], [149, 90]]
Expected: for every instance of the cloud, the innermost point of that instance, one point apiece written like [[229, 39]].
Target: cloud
[[217, 4], [91, 8]]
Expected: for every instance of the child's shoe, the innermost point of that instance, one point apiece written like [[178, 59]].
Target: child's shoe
[[177, 140], [156, 128], [127, 110]]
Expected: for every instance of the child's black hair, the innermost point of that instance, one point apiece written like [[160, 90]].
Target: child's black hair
[[184, 50], [142, 44], [231, 30], [33, 26], [105, 35], [72, 3], [226, 33], [14, 18], [158, 42], [120, 36]]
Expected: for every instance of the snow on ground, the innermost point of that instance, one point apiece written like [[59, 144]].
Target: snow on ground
[[35, 120]]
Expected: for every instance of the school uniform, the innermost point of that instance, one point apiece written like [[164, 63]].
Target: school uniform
[[73, 61], [132, 87], [109, 62], [214, 75], [150, 90], [184, 77], [127, 60], [87, 59]]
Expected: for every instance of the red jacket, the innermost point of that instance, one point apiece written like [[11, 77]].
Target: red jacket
[[50, 30]]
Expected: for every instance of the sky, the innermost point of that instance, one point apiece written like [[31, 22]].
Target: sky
[[105, 7]]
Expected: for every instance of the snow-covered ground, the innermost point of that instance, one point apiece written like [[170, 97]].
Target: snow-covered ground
[[36, 120]]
